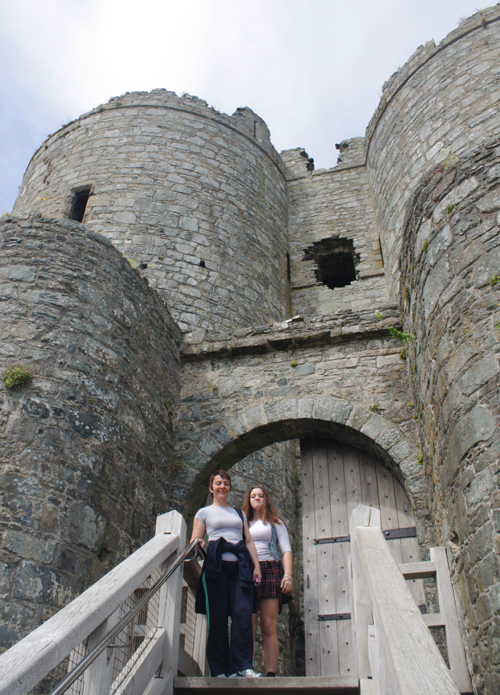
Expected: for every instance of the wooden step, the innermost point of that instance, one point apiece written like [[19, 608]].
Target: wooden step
[[321, 685]]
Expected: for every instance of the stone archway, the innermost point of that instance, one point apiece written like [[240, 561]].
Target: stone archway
[[315, 418], [231, 440]]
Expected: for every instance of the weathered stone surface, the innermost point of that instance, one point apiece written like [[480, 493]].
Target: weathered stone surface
[[88, 440], [459, 385], [203, 217], [85, 527], [476, 426]]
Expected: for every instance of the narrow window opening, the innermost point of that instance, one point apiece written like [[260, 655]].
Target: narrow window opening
[[202, 264], [79, 204], [288, 267], [335, 261], [255, 129], [381, 252]]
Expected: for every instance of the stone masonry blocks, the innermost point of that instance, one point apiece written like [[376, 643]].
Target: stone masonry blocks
[[455, 371], [203, 217], [86, 447]]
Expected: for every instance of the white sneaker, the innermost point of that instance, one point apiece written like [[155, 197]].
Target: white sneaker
[[247, 673]]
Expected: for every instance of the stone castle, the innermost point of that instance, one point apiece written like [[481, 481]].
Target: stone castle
[[189, 299]]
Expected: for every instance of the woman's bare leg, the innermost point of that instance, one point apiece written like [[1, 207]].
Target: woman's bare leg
[[269, 611]]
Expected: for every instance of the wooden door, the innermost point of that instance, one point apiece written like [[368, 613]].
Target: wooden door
[[335, 479]]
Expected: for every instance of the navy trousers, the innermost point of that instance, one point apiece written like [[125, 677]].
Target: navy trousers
[[227, 598]]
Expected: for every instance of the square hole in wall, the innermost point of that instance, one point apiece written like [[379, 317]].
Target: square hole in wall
[[335, 261]]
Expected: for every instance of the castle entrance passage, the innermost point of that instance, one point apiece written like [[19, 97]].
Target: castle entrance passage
[[335, 479]]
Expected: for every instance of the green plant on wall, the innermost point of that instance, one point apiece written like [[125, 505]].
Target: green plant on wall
[[450, 160], [495, 280], [16, 375], [399, 335]]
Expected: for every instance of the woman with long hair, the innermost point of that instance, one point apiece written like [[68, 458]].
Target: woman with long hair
[[226, 586], [268, 531]]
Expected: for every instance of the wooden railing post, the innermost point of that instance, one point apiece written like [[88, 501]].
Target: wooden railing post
[[361, 609], [97, 678], [169, 615], [447, 607]]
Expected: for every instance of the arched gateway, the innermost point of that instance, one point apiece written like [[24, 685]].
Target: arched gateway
[[349, 456]]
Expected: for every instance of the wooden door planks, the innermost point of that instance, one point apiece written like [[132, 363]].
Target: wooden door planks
[[388, 510], [335, 479], [312, 646], [324, 561], [337, 464]]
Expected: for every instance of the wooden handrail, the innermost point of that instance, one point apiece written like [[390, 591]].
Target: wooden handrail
[[395, 648], [25, 664]]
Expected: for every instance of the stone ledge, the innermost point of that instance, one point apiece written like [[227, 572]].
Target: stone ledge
[[294, 334]]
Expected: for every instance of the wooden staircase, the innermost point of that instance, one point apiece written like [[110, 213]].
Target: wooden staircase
[[133, 631], [317, 685]]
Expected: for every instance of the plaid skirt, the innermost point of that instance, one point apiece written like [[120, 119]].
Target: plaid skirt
[[270, 586]]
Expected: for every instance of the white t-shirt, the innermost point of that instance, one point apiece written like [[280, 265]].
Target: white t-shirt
[[261, 534], [222, 522]]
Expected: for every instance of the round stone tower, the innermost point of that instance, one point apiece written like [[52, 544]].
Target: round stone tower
[[451, 292], [442, 102], [194, 198], [86, 446]]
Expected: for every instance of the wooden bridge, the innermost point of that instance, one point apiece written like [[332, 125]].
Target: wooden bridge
[[135, 632]]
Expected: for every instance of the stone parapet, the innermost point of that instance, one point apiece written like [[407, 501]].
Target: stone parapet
[[293, 334]]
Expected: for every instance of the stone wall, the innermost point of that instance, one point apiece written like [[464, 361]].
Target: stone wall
[[86, 447], [194, 197], [443, 101], [280, 382], [334, 203], [237, 386], [451, 293]]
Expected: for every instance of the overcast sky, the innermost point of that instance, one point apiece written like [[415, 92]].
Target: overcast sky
[[313, 69]]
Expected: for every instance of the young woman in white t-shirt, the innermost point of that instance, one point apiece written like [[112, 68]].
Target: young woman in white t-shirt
[[226, 587], [268, 531]]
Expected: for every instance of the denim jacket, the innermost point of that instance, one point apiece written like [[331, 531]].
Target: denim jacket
[[273, 545], [213, 565]]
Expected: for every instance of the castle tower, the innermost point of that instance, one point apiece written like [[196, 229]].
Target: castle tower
[[194, 198]]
